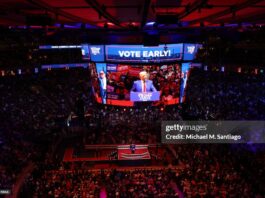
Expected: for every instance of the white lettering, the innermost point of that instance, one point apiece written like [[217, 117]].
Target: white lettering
[[95, 50], [151, 54], [121, 53], [138, 54], [157, 54], [130, 54], [145, 54], [145, 97]]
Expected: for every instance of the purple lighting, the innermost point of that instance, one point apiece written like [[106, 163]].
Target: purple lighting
[[151, 23]]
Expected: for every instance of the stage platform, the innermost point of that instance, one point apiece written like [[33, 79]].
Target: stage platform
[[107, 153], [117, 155]]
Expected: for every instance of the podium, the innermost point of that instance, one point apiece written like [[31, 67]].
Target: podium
[[141, 152], [144, 96]]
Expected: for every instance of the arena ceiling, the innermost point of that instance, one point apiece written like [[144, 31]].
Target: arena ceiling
[[140, 14]]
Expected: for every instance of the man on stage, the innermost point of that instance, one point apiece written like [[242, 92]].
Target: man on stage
[[143, 85], [132, 148], [103, 86]]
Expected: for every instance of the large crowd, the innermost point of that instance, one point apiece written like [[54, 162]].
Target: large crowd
[[225, 96], [204, 171], [128, 125], [35, 108], [112, 183]]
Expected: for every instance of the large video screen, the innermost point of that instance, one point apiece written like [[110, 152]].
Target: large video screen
[[129, 85]]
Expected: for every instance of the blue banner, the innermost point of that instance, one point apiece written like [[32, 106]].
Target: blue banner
[[183, 80], [144, 96], [97, 53], [101, 67], [85, 52], [190, 51], [142, 54], [133, 53]]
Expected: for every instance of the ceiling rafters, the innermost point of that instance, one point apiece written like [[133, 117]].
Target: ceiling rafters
[[226, 11], [191, 8], [59, 12], [248, 19], [136, 6], [103, 12], [147, 4], [247, 11]]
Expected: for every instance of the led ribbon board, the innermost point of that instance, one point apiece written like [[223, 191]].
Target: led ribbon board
[[142, 54]]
